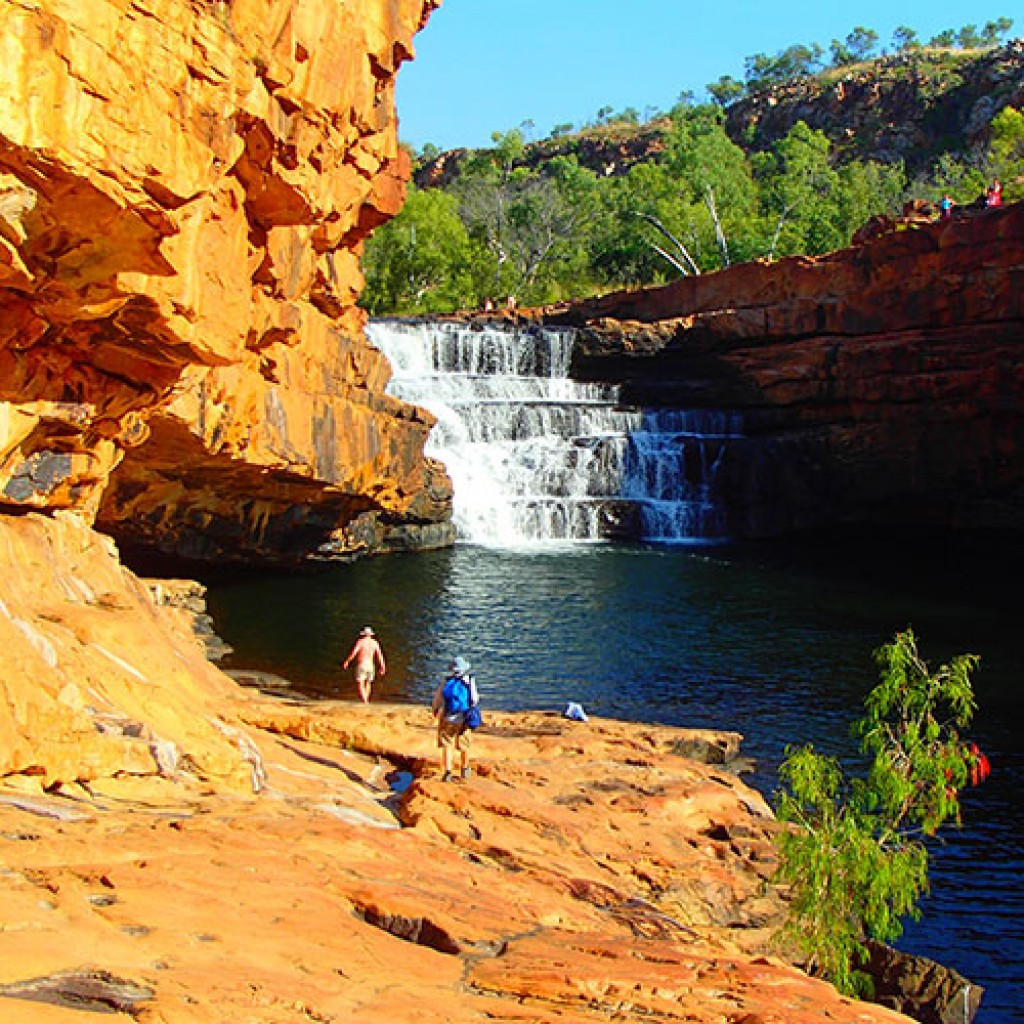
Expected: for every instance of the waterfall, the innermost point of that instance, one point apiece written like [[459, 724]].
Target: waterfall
[[673, 466], [536, 457]]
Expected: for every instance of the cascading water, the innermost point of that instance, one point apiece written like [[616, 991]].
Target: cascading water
[[672, 469], [535, 457]]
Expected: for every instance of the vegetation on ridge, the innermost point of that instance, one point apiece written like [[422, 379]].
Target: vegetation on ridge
[[700, 188]]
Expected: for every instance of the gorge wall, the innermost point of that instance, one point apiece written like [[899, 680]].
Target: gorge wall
[[880, 386], [184, 188], [184, 193]]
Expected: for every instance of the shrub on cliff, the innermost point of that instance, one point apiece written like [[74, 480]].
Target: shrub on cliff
[[854, 861]]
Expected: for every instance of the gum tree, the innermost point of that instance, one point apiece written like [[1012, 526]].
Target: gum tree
[[854, 858]]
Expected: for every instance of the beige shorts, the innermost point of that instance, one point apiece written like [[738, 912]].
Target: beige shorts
[[452, 734], [364, 673]]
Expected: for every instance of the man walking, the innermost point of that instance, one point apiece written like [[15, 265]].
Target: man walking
[[368, 657]]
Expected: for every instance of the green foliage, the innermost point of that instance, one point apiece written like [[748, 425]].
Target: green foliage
[[860, 45], [1007, 151], [802, 192], [968, 38], [726, 89], [422, 260], [995, 31], [854, 859], [529, 220], [905, 38], [963, 181], [797, 61]]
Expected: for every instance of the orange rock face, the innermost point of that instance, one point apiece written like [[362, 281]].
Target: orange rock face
[[184, 191], [585, 872], [98, 679]]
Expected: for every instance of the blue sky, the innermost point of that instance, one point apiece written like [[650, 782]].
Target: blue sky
[[489, 65]]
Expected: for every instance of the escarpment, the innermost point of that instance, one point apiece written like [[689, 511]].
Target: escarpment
[[879, 387], [184, 192]]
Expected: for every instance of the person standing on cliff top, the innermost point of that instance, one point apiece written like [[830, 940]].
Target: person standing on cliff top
[[368, 657]]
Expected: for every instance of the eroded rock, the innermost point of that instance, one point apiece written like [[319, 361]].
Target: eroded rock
[[184, 193]]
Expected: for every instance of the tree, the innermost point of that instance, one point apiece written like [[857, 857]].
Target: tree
[[725, 90], [868, 189], [428, 153], [854, 859], [944, 39], [718, 177], [862, 42], [1006, 151], [963, 181], [802, 191], [796, 61], [995, 31], [422, 261], [527, 220], [968, 38], [644, 208], [905, 38], [860, 45]]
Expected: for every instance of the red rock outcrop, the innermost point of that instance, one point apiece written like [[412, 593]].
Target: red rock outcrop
[[897, 107], [881, 384], [586, 871], [184, 192]]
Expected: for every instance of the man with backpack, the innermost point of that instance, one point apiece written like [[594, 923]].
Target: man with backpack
[[452, 705]]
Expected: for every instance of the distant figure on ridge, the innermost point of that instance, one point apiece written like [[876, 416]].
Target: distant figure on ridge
[[994, 194], [946, 207], [453, 704], [368, 657]]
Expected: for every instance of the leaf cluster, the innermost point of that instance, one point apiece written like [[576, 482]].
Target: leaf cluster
[[854, 859]]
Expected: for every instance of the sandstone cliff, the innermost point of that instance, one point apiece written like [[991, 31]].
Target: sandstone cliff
[[881, 385], [184, 192]]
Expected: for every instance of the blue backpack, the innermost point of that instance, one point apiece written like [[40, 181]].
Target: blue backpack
[[456, 696]]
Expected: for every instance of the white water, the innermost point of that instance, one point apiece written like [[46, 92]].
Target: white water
[[672, 468], [537, 458]]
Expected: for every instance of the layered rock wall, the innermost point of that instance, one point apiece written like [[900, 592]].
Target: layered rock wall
[[184, 191], [881, 385]]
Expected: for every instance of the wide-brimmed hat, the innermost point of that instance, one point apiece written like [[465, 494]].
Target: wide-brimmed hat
[[366, 631], [458, 665]]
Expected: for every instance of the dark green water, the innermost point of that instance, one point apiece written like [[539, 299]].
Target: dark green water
[[773, 644]]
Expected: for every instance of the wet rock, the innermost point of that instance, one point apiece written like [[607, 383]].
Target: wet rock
[[921, 988]]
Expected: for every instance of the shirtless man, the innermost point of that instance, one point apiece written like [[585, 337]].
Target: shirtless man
[[368, 656]]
